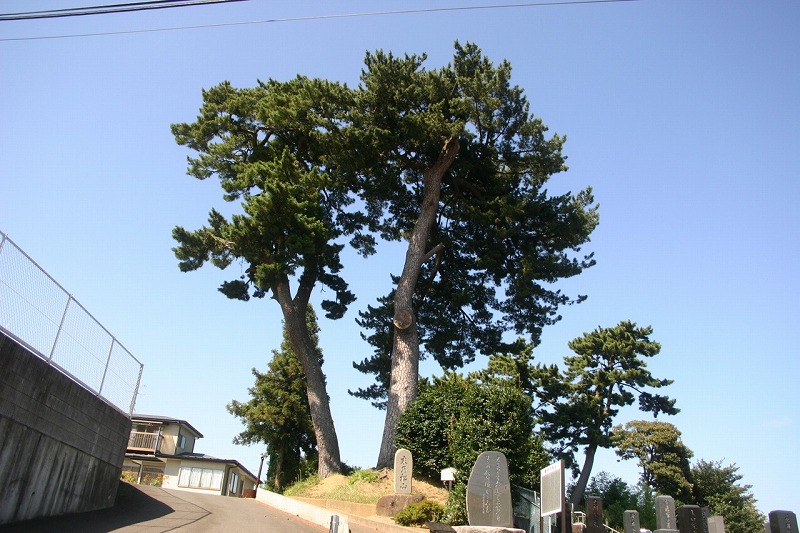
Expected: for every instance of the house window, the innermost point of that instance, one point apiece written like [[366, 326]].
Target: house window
[[200, 478], [233, 486], [181, 441]]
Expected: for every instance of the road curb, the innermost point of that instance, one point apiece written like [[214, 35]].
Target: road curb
[[322, 516]]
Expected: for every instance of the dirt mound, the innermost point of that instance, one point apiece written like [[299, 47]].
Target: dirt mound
[[366, 489]]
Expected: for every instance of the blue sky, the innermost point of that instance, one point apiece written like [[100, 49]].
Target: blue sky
[[682, 115]]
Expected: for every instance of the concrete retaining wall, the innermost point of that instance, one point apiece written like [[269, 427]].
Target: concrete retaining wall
[[312, 513], [61, 447], [348, 508]]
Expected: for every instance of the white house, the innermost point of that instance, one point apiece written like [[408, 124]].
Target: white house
[[161, 452]]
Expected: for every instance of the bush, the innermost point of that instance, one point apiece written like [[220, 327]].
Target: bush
[[455, 512], [418, 513], [455, 418]]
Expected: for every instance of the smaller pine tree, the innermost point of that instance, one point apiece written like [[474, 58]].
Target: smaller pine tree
[[278, 415]]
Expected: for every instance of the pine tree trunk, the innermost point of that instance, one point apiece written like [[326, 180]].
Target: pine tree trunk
[[294, 316], [279, 471], [405, 347], [583, 478]]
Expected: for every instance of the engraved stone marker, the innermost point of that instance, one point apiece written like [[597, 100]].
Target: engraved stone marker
[[783, 522], [690, 519], [403, 465], [594, 515], [706, 512], [489, 492], [716, 524], [665, 515], [630, 522]]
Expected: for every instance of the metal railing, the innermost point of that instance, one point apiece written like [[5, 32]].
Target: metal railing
[[143, 441], [38, 313]]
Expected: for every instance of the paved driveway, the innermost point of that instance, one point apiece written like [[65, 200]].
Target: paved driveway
[[142, 509]]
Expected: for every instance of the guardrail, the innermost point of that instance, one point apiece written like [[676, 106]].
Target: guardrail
[[38, 313]]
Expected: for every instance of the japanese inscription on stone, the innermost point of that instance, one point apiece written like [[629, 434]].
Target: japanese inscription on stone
[[665, 513], [594, 515], [630, 522], [403, 466], [489, 492], [783, 522], [690, 519]]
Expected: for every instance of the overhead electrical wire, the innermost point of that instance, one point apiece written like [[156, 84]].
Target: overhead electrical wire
[[109, 9], [320, 17]]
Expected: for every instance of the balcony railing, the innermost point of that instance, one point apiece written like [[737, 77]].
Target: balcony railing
[[142, 441]]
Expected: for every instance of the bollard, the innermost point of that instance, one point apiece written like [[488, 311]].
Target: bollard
[[334, 524]]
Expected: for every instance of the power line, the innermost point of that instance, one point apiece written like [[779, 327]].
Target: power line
[[109, 8], [320, 17]]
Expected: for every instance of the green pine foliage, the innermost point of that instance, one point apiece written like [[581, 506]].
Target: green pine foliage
[[662, 456], [498, 240], [577, 406]]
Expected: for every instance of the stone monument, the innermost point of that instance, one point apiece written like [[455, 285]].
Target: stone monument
[[594, 515], [403, 471], [716, 524], [706, 512], [665, 515], [690, 519], [630, 522], [391, 504], [489, 492], [782, 522]]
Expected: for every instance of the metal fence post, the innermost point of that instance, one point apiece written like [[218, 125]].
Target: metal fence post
[[105, 371], [60, 326], [136, 389]]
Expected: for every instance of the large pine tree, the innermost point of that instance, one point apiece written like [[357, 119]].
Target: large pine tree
[[453, 162]]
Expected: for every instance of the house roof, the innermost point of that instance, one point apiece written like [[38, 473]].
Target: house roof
[[201, 457], [164, 420], [210, 459]]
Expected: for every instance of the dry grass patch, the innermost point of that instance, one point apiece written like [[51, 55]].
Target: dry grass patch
[[362, 486]]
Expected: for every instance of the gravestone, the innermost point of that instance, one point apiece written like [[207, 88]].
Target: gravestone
[[690, 519], [665, 515], [782, 522], [716, 524], [594, 515], [630, 522], [403, 465], [706, 512], [489, 492]]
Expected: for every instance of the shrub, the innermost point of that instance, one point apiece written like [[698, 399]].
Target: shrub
[[455, 511], [418, 513], [152, 479], [455, 418]]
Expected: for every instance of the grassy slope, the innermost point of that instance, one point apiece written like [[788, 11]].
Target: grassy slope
[[362, 486]]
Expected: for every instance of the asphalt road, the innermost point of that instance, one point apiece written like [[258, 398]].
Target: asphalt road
[[143, 509]]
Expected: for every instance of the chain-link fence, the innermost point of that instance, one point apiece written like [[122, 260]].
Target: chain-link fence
[[41, 315]]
